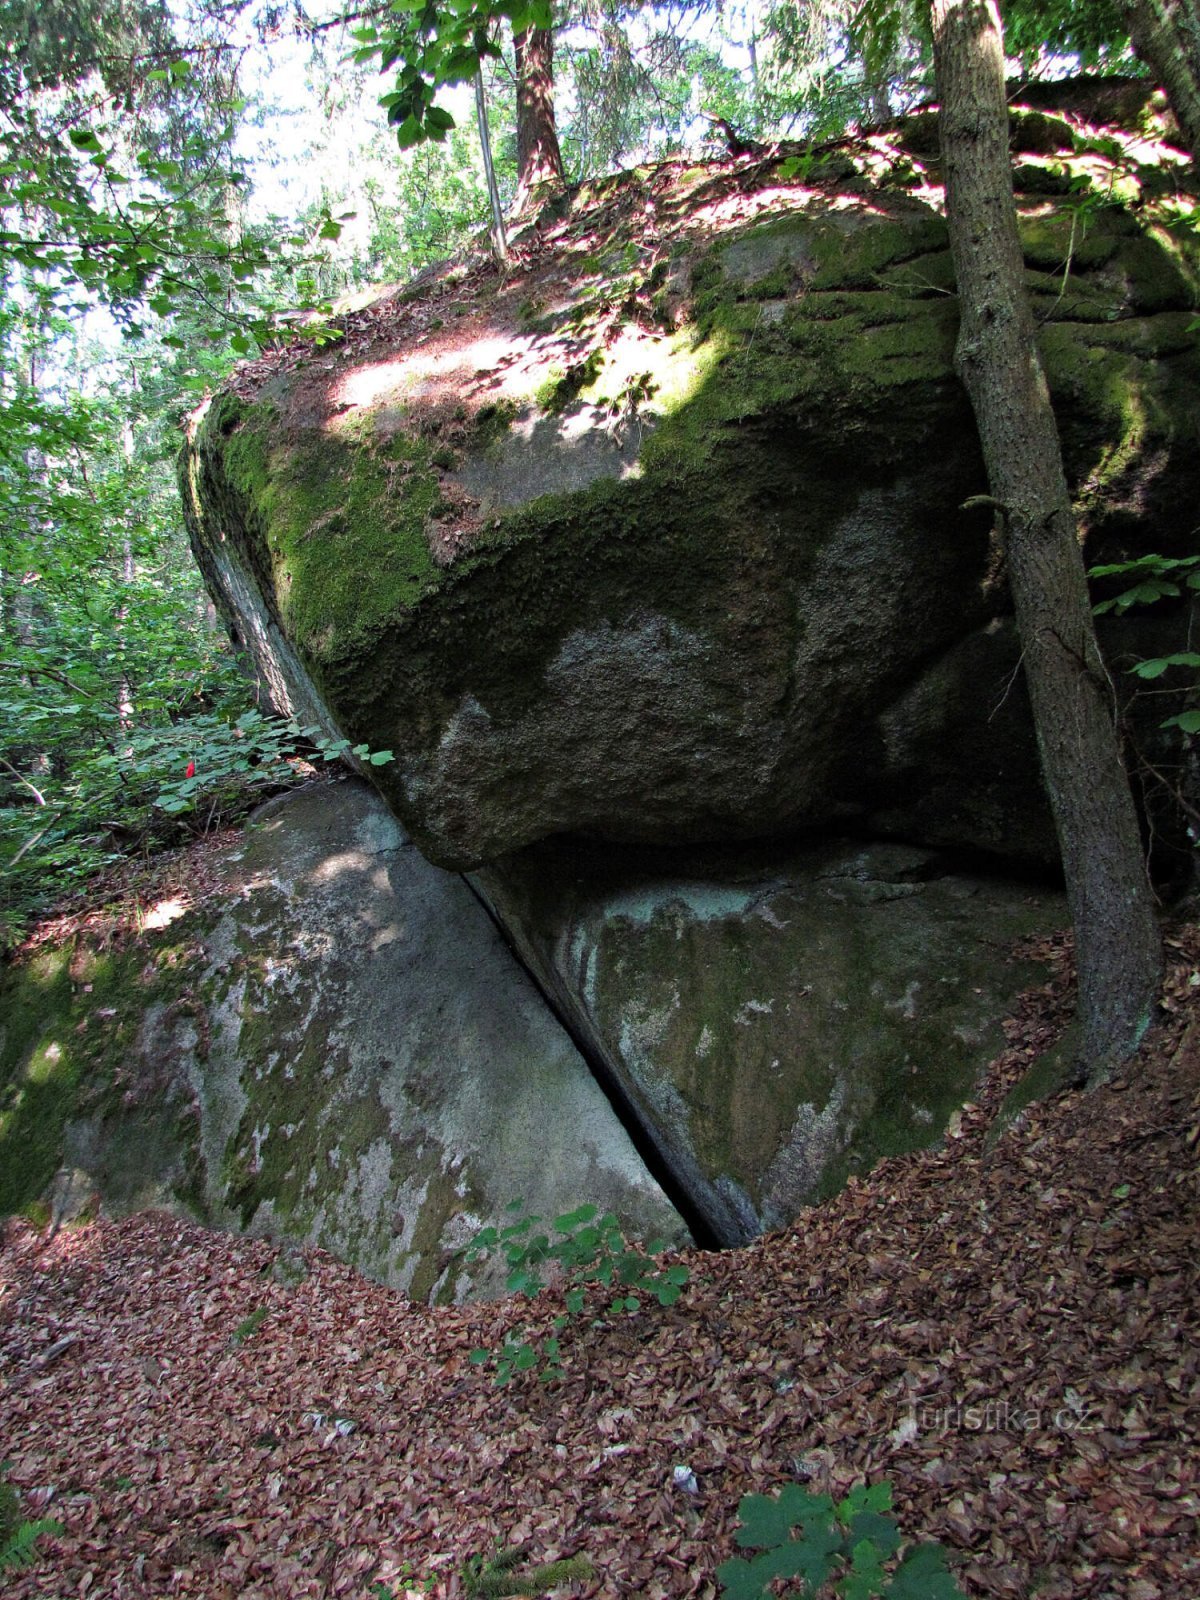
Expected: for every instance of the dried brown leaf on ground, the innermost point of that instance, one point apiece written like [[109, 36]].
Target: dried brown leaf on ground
[[1006, 1331]]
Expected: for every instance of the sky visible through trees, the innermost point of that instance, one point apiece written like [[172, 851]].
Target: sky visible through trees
[[178, 184]]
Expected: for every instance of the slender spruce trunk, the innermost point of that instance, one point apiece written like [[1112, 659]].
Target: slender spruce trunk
[[499, 237], [1166, 37], [1117, 943]]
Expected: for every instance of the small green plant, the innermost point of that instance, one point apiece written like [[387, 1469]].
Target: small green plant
[[407, 1579], [799, 166], [250, 1325], [848, 1548], [18, 1538], [506, 1574], [589, 1249], [1152, 578], [523, 1355]]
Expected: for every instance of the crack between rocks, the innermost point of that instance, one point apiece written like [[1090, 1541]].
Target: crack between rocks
[[643, 1143]]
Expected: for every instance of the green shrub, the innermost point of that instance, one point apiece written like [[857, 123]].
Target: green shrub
[[18, 1538], [847, 1548], [590, 1250]]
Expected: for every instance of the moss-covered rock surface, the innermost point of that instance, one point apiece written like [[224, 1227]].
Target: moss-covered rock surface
[[338, 1049], [778, 1019], [659, 535], [94, 1098]]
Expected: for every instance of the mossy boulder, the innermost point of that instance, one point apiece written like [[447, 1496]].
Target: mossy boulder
[[660, 535], [75, 1058], [777, 1019], [339, 1050]]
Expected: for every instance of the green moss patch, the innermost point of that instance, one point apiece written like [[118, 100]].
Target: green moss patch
[[67, 1055], [691, 434], [343, 515]]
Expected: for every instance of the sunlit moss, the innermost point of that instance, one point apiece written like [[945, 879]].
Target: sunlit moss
[[47, 1062], [71, 1015], [342, 514]]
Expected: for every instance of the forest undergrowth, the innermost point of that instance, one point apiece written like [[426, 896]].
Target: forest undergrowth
[[1004, 1328]]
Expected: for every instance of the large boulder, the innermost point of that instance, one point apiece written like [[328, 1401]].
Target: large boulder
[[659, 536], [339, 1050], [776, 1019]]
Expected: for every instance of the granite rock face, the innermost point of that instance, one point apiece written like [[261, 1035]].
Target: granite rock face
[[344, 1054], [776, 1021], [383, 1079], [660, 539]]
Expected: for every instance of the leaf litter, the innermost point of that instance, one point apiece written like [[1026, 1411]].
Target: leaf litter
[[1005, 1329]]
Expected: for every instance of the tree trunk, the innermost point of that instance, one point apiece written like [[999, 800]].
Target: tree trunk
[[1166, 37], [499, 238], [1117, 945], [539, 160], [125, 706]]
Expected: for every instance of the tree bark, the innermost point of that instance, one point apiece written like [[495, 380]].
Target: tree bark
[[1117, 943], [1166, 38], [539, 160], [499, 238], [125, 705]]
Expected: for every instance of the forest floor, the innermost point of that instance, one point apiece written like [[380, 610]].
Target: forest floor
[[1006, 1330]]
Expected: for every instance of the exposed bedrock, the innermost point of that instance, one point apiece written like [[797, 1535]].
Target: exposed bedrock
[[776, 1020], [660, 537], [339, 1050]]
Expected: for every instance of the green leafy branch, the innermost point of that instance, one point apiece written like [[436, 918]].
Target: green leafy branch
[[1153, 578], [589, 1249], [1150, 579], [849, 1548], [432, 46]]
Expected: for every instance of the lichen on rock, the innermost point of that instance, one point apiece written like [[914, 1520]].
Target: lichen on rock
[[339, 1051], [658, 537], [777, 1018]]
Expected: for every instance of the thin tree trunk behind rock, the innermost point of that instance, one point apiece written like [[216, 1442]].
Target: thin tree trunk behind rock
[[499, 237], [1166, 37], [539, 160], [1117, 941]]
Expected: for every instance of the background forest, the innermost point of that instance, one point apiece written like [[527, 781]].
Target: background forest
[[185, 185]]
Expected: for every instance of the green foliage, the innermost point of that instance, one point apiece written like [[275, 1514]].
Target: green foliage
[[432, 46], [518, 1354], [114, 675], [589, 1250], [627, 97], [1094, 34], [829, 63], [119, 179], [18, 1538], [838, 62], [849, 1548], [136, 791], [249, 1326], [119, 198], [1153, 578], [507, 1573], [1150, 579]]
